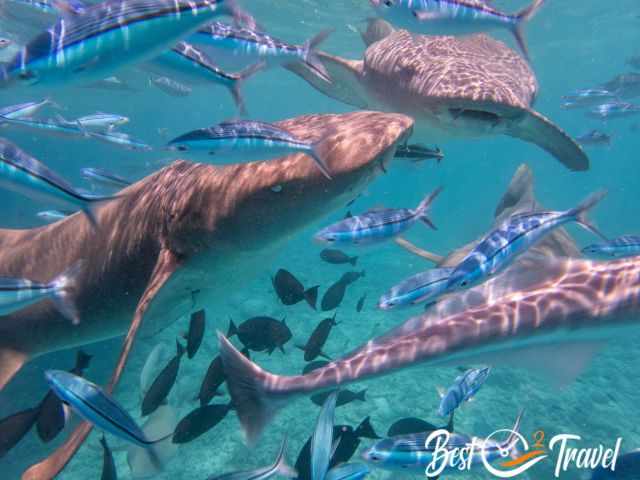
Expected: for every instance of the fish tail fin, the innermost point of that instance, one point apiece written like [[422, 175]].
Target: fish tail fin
[[236, 87], [320, 162], [511, 443], [311, 296], [423, 208], [62, 285], [311, 57], [83, 359], [233, 330], [353, 261], [248, 386], [580, 212], [366, 430], [180, 349], [362, 395], [280, 465], [521, 19]]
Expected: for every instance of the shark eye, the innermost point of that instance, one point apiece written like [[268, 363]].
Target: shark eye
[[464, 283]]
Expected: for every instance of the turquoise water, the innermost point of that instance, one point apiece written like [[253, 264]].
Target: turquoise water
[[572, 45]]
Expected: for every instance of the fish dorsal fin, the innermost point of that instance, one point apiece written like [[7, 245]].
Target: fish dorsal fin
[[345, 76]]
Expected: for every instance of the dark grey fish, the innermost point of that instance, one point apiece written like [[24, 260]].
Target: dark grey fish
[[261, 334], [344, 397], [334, 295], [624, 86], [196, 332], [337, 257], [109, 471], [311, 366], [411, 425], [290, 290], [350, 277], [213, 380], [360, 304], [594, 137], [52, 416], [14, 427], [163, 383], [347, 441], [199, 422], [313, 348]]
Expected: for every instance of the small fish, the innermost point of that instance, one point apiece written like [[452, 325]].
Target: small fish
[[419, 288], [455, 17], [170, 86], [109, 471], [212, 381], [513, 237], [311, 366], [627, 468], [290, 290], [104, 177], [313, 348], [625, 86], [106, 37], [346, 441], [344, 397], [199, 421], [97, 407], [377, 225], [256, 46], [337, 257], [112, 84], [464, 388], [102, 121], [24, 174], [334, 295], [594, 137], [14, 427], [120, 139], [348, 471], [587, 97], [279, 467], [58, 128], [322, 439], [418, 153], [24, 110], [620, 247], [52, 414], [196, 333], [614, 110], [245, 140], [19, 293], [53, 215], [360, 304], [349, 277], [163, 383], [5, 42], [261, 334], [411, 455], [186, 61]]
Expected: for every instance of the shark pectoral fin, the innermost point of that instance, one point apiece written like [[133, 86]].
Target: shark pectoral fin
[[11, 361], [51, 466], [535, 128], [345, 85]]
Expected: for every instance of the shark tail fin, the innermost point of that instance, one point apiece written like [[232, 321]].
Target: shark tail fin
[[521, 19], [580, 212], [62, 285], [311, 57], [236, 86], [248, 386], [423, 208]]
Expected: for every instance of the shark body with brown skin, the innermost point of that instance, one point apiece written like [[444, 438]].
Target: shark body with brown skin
[[179, 231]]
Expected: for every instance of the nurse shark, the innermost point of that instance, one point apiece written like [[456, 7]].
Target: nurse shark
[[164, 245]]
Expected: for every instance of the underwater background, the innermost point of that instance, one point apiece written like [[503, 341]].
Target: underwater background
[[572, 45]]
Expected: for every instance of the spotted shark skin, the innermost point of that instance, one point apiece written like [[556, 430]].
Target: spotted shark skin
[[556, 304], [178, 231]]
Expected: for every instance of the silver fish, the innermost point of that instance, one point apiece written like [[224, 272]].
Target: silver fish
[[620, 247], [416, 289], [100, 120], [322, 439], [455, 17], [23, 110], [58, 128], [170, 86], [53, 215], [464, 388], [614, 110], [377, 225], [594, 137], [105, 177], [120, 139], [24, 174]]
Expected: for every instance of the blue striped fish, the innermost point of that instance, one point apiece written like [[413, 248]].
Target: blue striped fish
[[57, 128], [99, 175], [191, 64], [377, 225], [96, 406], [279, 467], [462, 390], [348, 471], [624, 246], [416, 289], [107, 36], [410, 454], [19, 293], [23, 110], [22, 173], [322, 438], [516, 235], [255, 46], [245, 140], [54, 7], [455, 17]]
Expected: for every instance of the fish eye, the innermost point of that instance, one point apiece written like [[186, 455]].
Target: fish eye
[[26, 75], [464, 283], [181, 148], [388, 3], [375, 458]]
